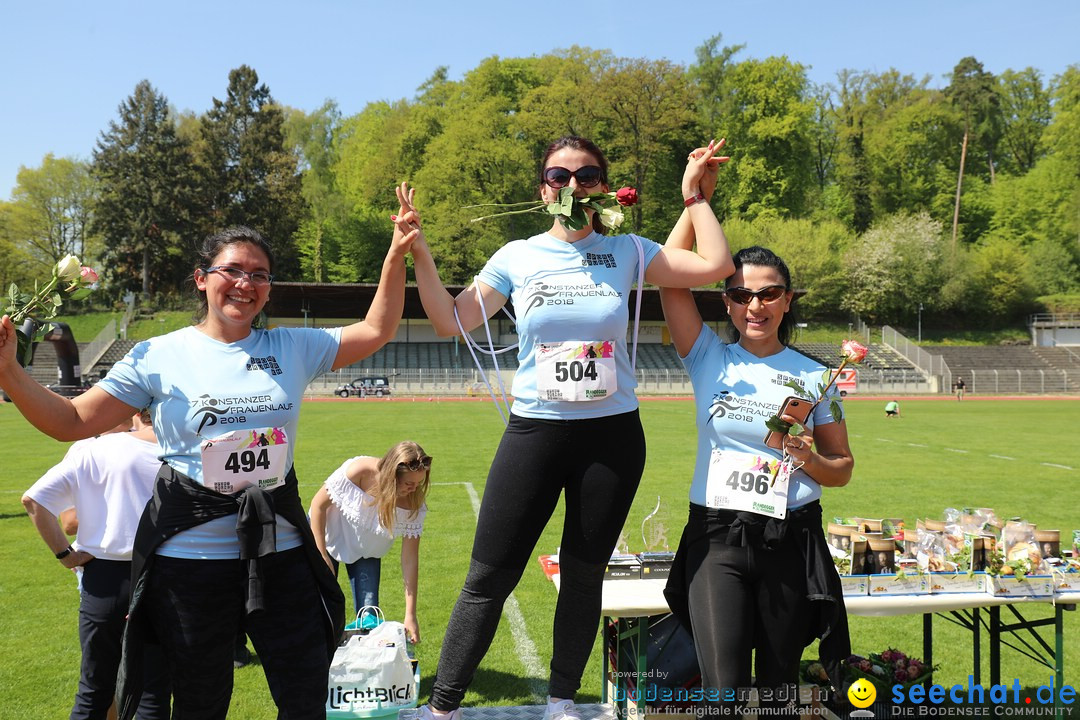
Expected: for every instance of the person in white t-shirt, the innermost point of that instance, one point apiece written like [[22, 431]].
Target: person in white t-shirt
[[107, 481], [361, 508]]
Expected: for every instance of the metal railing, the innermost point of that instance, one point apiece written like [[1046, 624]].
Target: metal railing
[[932, 366], [100, 345], [1070, 319], [1022, 381]]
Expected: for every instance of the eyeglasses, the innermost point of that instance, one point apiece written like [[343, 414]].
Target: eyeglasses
[[768, 294], [413, 465], [236, 274], [559, 177]]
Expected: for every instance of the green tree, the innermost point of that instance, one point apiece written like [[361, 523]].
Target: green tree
[[1062, 136], [973, 92], [318, 239], [143, 205], [249, 175], [768, 122], [648, 105], [1025, 111], [895, 266], [51, 209], [16, 265]]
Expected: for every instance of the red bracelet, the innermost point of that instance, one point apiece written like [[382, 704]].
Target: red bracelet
[[693, 200]]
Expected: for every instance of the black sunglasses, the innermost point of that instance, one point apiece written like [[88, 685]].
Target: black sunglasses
[[768, 294], [413, 465], [559, 177]]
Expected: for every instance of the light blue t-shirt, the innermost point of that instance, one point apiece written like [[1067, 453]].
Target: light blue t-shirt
[[199, 388], [569, 292], [735, 392]]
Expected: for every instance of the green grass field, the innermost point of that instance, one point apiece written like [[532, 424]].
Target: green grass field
[[942, 453]]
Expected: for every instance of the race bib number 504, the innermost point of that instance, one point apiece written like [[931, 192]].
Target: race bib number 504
[[576, 370], [744, 482], [242, 458]]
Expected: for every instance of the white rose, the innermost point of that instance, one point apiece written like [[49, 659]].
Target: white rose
[[611, 217], [69, 268]]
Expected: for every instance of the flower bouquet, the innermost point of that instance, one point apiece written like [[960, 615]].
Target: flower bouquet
[[570, 210], [68, 276], [883, 670]]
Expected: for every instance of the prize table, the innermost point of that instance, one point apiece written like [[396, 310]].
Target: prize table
[[628, 604]]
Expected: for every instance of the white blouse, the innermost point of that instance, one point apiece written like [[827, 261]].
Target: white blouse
[[352, 521]]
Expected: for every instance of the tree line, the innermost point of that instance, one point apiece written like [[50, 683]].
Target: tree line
[[883, 193]]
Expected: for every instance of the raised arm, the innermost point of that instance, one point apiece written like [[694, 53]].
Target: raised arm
[[66, 419], [678, 265], [438, 303], [410, 573], [379, 326]]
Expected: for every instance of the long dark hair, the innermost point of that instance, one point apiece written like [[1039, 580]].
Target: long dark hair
[[764, 257], [210, 249], [575, 142]]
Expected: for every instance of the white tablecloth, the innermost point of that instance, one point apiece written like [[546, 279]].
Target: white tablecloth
[[640, 598]]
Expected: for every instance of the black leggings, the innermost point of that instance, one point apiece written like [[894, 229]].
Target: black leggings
[[747, 599], [598, 463]]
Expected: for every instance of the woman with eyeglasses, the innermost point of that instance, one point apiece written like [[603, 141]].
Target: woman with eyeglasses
[[361, 508], [224, 545], [574, 428], [753, 574]]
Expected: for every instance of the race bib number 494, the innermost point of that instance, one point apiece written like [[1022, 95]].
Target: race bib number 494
[[243, 458], [744, 482]]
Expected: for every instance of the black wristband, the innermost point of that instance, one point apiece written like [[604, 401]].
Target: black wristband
[[64, 553]]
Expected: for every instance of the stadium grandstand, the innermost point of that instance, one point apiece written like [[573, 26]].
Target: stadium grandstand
[[419, 362]]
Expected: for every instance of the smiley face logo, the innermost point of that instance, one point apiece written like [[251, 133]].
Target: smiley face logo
[[862, 693]]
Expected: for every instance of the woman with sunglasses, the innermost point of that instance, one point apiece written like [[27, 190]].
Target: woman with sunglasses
[[361, 508], [574, 427], [753, 572], [224, 545]]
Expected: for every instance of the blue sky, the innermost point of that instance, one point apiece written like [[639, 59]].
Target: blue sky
[[67, 65]]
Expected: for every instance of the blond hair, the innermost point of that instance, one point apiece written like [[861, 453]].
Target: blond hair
[[386, 475]]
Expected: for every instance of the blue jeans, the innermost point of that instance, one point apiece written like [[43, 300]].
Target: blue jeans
[[364, 581]]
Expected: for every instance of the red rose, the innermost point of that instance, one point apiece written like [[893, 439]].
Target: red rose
[[626, 196], [853, 351]]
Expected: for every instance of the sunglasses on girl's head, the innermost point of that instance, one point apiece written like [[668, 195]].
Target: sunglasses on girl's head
[[414, 465], [559, 177], [768, 294]]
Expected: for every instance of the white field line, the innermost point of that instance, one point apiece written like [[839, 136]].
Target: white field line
[[917, 445], [1002, 457], [530, 658], [957, 450], [1055, 465]]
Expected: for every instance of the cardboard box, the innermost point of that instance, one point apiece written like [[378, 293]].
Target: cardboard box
[[623, 567], [1012, 586], [655, 564], [855, 585], [958, 582], [913, 584]]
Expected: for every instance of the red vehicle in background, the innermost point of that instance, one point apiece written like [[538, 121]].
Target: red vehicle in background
[[848, 382]]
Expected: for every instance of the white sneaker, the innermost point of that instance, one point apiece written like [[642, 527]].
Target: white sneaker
[[424, 712], [562, 710]]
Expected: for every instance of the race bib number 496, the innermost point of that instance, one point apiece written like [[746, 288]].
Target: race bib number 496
[[242, 458], [744, 482]]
